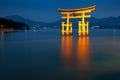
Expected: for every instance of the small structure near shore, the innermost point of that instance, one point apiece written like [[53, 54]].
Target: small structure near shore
[[76, 13]]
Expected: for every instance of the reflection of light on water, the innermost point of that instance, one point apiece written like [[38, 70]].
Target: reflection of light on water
[[66, 48], [2, 42], [25, 30], [2, 35], [83, 51], [83, 57], [76, 57], [34, 29]]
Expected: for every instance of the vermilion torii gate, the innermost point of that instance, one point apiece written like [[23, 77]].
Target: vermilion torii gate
[[76, 13]]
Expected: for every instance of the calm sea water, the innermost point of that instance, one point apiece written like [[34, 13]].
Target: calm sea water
[[46, 55]]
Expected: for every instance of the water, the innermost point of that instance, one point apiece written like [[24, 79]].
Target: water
[[46, 55]]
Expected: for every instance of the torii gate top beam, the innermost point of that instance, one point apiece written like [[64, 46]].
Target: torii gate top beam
[[79, 10]]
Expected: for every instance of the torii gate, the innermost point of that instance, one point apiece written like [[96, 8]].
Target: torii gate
[[76, 13]]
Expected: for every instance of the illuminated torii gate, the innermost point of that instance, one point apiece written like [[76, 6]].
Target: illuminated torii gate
[[76, 13]]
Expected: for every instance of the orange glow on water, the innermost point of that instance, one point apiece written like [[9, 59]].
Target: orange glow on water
[[83, 51], [66, 48], [75, 55]]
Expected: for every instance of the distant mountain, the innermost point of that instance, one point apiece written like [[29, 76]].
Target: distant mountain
[[27, 21], [110, 22]]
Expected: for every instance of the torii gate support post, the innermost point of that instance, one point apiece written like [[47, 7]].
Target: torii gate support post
[[83, 23], [87, 28], [67, 24], [63, 29], [70, 28], [79, 28]]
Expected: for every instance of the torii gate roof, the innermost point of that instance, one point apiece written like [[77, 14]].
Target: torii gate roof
[[78, 9]]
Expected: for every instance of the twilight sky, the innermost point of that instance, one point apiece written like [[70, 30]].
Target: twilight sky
[[46, 10]]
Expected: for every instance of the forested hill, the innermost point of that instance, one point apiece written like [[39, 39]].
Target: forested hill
[[4, 23]]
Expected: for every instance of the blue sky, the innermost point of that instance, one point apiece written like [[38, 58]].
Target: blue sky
[[46, 10]]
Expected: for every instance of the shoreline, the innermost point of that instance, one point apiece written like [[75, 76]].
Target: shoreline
[[7, 30]]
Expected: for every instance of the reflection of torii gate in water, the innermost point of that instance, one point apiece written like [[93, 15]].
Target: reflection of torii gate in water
[[76, 13]]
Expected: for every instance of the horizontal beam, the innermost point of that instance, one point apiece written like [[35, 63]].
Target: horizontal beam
[[67, 24], [86, 16], [79, 9], [78, 12]]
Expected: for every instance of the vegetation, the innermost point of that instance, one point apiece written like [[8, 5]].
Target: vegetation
[[4, 23]]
